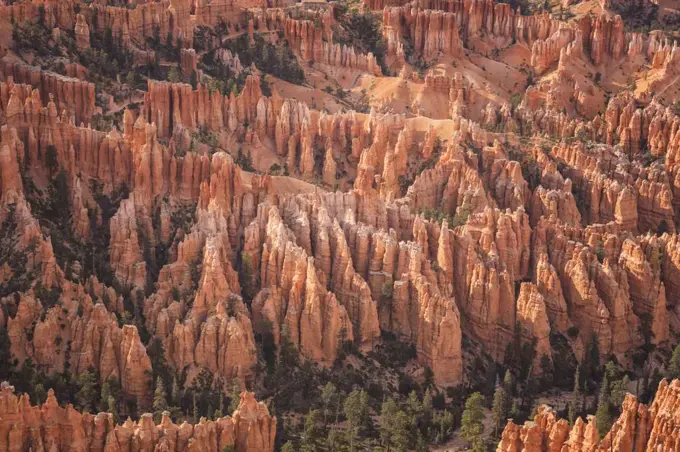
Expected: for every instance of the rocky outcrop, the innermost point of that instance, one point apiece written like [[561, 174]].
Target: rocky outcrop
[[432, 32], [127, 261], [94, 341], [314, 43], [532, 317], [133, 26], [188, 61], [56, 13], [82, 32], [75, 96], [23, 426], [639, 427], [314, 320], [175, 106]]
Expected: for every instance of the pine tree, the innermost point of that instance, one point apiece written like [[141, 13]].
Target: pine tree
[[356, 411], [87, 394], [592, 364], [619, 391], [402, 433], [509, 383], [174, 392], [174, 75], [499, 409], [112, 407], [473, 415], [388, 413], [327, 395], [605, 419], [51, 159], [356, 408], [104, 396], [514, 410], [605, 391], [311, 435], [40, 393], [220, 408], [195, 408], [288, 447], [673, 370], [576, 396], [444, 422], [415, 408], [479, 444], [604, 414], [160, 401], [331, 440], [235, 395]]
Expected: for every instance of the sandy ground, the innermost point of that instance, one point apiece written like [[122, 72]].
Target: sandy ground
[[284, 185]]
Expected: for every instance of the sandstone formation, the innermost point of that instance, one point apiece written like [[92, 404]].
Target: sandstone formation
[[82, 31], [72, 95], [487, 176], [50, 426], [639, 427], [133, 26], [315, 43]]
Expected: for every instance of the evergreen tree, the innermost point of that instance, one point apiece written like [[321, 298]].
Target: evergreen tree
[[160, 400], [51, 159], [415, 408], [444, 423], [87, 394], [331, 439], [605, 391], [479, 444], [547, 375], [312, 434], [576, 396], [104, 396], [5, 352], [571, 413], [194, 412], [112, 407], [605, 419], [288, 447], [509, 383], [499, 409], [604, 414], [388, 412], [356, 408], [234, 395], [592, 361], [356, 411], [327, 395], [174, 392], [473, 415], [514, 409], [174, 75], [220, 408], [673, 370], [403, 432], [40, 393], [619, 391]]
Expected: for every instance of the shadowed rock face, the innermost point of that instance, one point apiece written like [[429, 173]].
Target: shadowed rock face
[[50, 426], [639, 427]]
